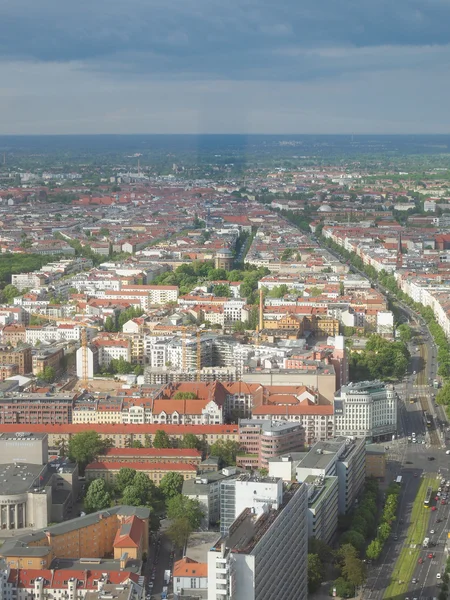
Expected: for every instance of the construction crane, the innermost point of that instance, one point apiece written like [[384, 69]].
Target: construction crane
[[84, 340]]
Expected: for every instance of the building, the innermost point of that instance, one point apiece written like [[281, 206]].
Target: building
[[49, 357], [92, 361], [123, 435], [81, 558], [341, 457], [35, 408], [323, 501], [155, 471], [189, 578], [367, 409], [285, 466], [18, 356], [224, 259], [264, 554], [152, 455], [247, 491], [262, 440], [14, 334], [34, 492], [375, 462], [112, 349], [205, 488]]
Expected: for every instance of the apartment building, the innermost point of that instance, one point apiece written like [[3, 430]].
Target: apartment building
[[21, 357], [344, 458], [14, 334], [367, 409], [122, 435], [189, 577], [152, 455], [49, 357], [206, 488], [264, 439], [323, 501], [52, 333], [155, 471], [264, 554], [37, 409], [29, 281], [112, 349]]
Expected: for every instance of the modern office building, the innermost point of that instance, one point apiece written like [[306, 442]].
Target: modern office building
[[342, 457], [264, 554], [264, 439], [367, 409]]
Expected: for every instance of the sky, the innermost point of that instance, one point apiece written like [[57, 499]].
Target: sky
[[224, 66]]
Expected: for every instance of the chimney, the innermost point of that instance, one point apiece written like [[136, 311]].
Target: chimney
[[49, 537]]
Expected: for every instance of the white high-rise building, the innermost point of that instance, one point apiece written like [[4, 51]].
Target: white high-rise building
[[264, 555], [367, 409]]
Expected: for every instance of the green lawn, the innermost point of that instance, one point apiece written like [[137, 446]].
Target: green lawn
[[406, 562]]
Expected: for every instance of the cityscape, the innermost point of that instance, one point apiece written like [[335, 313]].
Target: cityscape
[[225, 380]]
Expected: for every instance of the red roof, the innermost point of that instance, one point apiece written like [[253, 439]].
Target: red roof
[[160, 452], [188, 567], [130, 534], [139, 466], [111, 428]]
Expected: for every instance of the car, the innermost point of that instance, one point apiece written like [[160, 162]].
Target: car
[[433, 508], [420, 561], [444, 502], [414, 372], [423, 442], [447, 452], [438, 575], [431, 531], [416, 475], [395, 537], [409, 462], [431, 458], [415, 580]]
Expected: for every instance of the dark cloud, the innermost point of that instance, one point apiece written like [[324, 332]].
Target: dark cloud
[[237, 39]]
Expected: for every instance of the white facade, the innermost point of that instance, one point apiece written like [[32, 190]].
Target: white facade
[[366, 409], [385, 322], [50, 333], [234, 311], [254, 493], [92, 361], [113, 350], [269, 560]]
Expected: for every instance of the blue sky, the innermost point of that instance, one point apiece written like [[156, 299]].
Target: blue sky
[[205, 66]]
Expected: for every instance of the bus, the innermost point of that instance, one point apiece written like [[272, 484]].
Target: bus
[[428, 495], [399, 480]]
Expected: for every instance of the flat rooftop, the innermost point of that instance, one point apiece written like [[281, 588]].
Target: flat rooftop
[[22, 477], [22, 436], [105, 564], [320, 488], [199, 543]]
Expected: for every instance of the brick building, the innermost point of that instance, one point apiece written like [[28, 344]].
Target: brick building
[[18, 356]]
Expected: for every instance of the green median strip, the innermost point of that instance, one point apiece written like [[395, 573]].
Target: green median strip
[[406, 562]]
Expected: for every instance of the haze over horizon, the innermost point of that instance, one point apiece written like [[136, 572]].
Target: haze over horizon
[[145, 66]]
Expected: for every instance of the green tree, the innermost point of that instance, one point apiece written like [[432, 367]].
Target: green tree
[[353, 537], [179, 531], [84, 447], [222, 290], [124, 478], [97, 496], [142, 492], [184, 396], [110, 324], [344, 589], [384, 531], [353, 569], [226, 451], [48, 374], [404, 332], [161, 439], [138, 370], [181, 506], [191, 441], [10, 292], [279, 291], [171, 484], [315, 572], [374, 549]]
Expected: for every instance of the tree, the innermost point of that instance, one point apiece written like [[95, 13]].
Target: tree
[[48, 374], [84, 447], [374, 549], [97, 496], [353, 537], [191, 441], [324, 552], [353, 569], [315, 572], [124, 478], [222, 290], [10, 292], [179, 531], [183, 507], [384, 531], [109, 324], [344, 589], [405, 333], [171, 484], [226, 451], [161, 439], [239, 327], [138, 370], [141, 492], [184, 396]]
